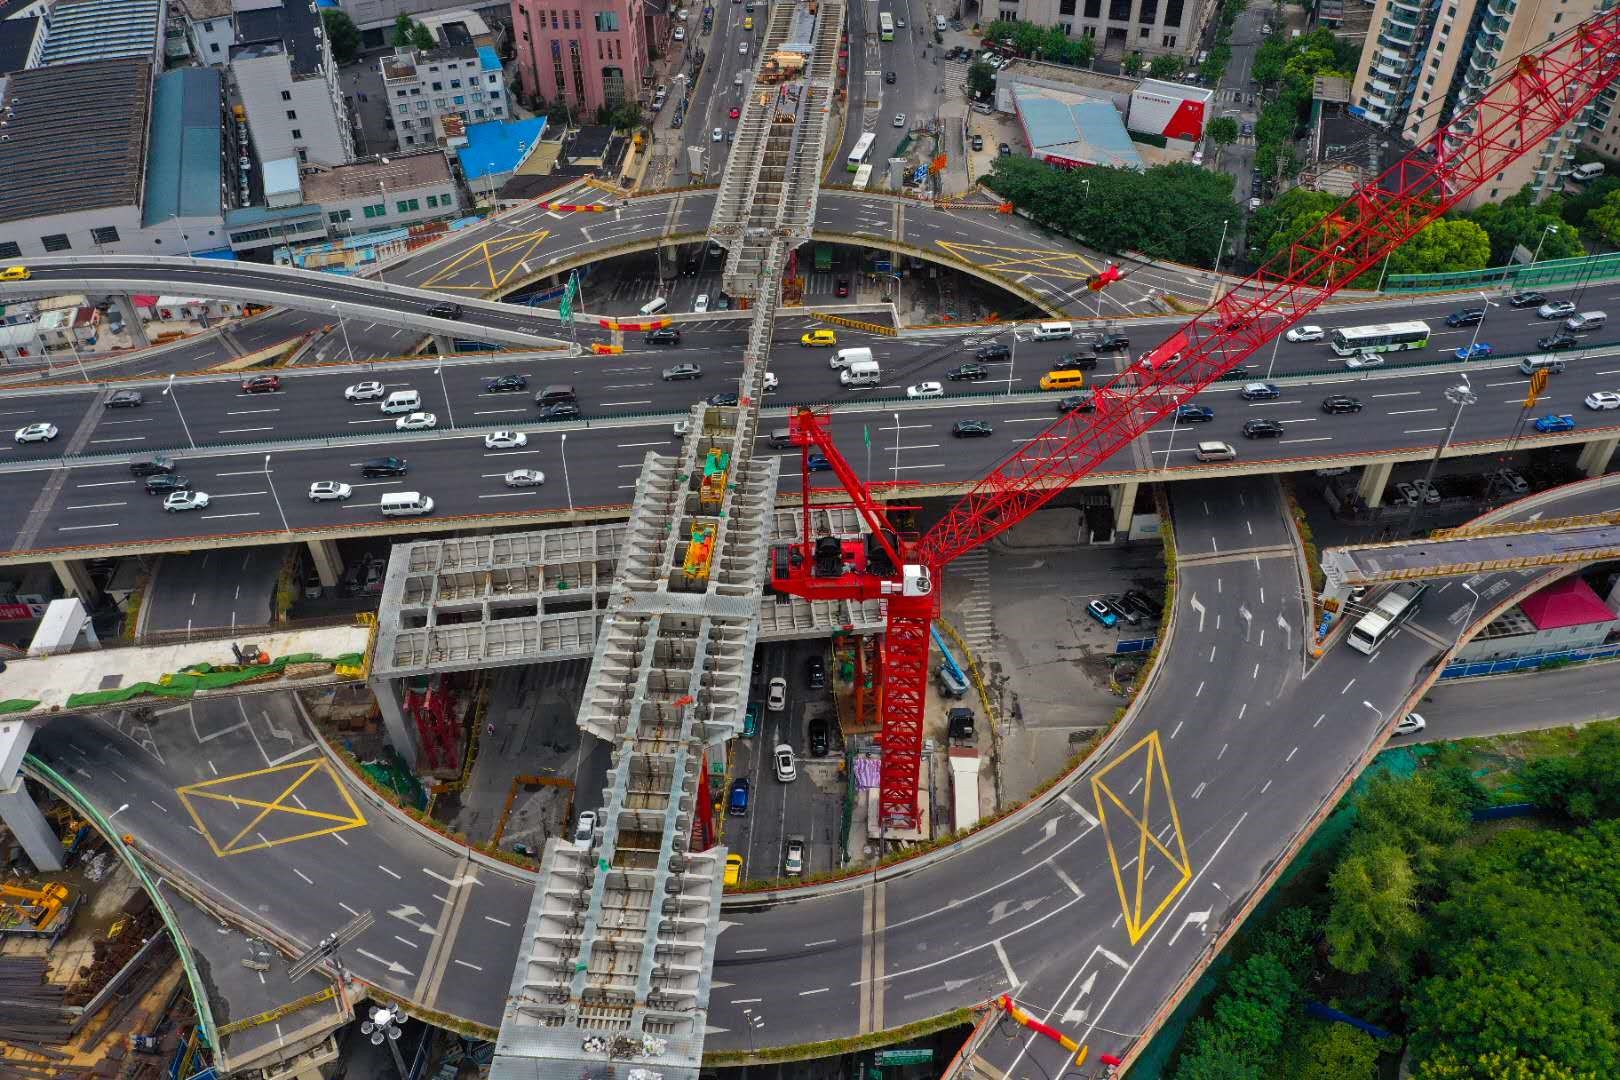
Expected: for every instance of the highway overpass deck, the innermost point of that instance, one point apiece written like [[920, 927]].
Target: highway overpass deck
[[1446, 556]]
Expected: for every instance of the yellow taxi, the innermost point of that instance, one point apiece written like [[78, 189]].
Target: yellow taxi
[[734, 865], [814, 338], [748, 22], [14, 273]]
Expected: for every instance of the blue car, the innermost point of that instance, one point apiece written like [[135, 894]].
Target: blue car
[[1554, 422], [1194, 414], [751, 720], [1099, 611], [819, 463], [1479, 350], [1260, 391], [738, 806]]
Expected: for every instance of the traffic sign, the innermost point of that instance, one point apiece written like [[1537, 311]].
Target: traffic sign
[[903, 1057], [565, 310]]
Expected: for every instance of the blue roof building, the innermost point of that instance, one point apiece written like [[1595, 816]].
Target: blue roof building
[[183, 147], [1070, 130], [496, 149]]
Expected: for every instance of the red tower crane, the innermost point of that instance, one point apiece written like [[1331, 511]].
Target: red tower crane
[[1543, 91]]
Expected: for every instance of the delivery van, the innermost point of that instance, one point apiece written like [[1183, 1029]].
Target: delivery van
[[845, 357], [402, 401], [406, 504], [861, 373], [1053, 331]]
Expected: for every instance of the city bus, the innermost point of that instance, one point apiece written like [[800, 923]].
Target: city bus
[[886, 26], [862, 151], [863, 176], [1392, 609], [1383, 337]]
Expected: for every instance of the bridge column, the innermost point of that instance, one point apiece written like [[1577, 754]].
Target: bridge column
[[132, 321], [39, 841], [1123, 497], [445, 346], [1373, 480], [328, 563], [75, 579], [1594, 459], [400, 735]]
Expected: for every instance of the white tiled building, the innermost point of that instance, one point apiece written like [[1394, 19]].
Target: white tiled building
[[288, 81], [424, 88], [1151, 26]]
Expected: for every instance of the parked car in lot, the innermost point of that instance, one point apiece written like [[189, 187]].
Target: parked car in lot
[[793, 857], [734, 869], [1100, 611], [817, 737], [782, 760], [1553, 422], [972, 429], [1122, 610], [1511, 481], [1305, 333], [585, 831], [325, 491], [1260, 391], [750, 726], [815, 673], [1478, 350], [1408, 493], [1429, 493], [1526, 299], [1341, 403], [1262, 428], [1143, 604], [1193, 414]]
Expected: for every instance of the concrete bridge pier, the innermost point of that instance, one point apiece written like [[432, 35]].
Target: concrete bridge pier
[[328, 563], [1123, 497], [1595, 457], [17, 808], [1374, 478], [76, 580], [444, 345], [400, 734]]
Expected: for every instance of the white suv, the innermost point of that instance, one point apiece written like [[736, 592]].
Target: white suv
[[786, 771]]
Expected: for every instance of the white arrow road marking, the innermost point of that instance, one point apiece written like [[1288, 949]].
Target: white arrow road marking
[[1005, 908], [1091, 819], [392, 966], [404, 914], [1048, 831], [1196, 606], [455, 882], [1194, 918], [1006, 966], [1075, 1014], [948, 986]]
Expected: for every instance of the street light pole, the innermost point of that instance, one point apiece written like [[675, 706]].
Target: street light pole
[[272, 484], [1546, 231], [1012, 361], [384, 188], [1469, 355], [178, 412], [1220, 249], [1462, 395], [439, 371], [568, 487], [896, 448], [344, 326]]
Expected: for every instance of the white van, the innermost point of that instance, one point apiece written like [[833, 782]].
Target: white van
[[861, 373], [1532, 364], [654, 306], [1215, 451], [406, 504], [1590, 171], [402, 401], [1054, 331], [940, 25], [842, 358], [1586, 320]]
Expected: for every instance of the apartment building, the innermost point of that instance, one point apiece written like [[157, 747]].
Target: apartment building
[[288, 82], [1603, 131], [1425, 59], [426, 88], [585, 58], [1121, 25]]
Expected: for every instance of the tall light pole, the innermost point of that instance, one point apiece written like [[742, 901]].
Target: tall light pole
[[1469, 355], [270, 481], [1220, 249], [344, 326], [896, 448], [896, 278], [384, 1027], [1012, 360], [384, 188], [752, 1022], [439, 371], [567, 487], [1546, 231], [181, 229], [1462, 395], [184, 426]]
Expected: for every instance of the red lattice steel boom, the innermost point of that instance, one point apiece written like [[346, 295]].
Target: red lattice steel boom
[[1543, 92]]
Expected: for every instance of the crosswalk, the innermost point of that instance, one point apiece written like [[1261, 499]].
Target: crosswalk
[[977, 623]]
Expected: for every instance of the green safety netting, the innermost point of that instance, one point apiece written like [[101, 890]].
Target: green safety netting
[[197, 677], [17, 705]]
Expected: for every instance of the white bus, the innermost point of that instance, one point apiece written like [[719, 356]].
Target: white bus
[[1384, 337], [885, 26], [1393, 608], [863, 176], [862, 151]]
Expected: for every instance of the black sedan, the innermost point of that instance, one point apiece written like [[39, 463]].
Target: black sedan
[[1526, 299], [1262, 429], [164, 483], [506, 384], [725, 397], [664, 335], [972, 429], [562, 410], [1341, 403], [1110, 343], [1560, 340], [971, 370], [996, 351], [1077, 403], [1466, 317], [1194, 414]]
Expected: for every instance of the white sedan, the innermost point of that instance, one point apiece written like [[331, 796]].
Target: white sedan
[[776, 697], [785, 770], [1410, 724], [742, 47], [717, 135], [925, 390], [186, 500], [1305, 333], [522, 478], [680, 33], [701, 304], [505, 440], [329, 491], [370, 390], [36, 433], [416, 421], [899, 119], [771, 382], [1603, 399]]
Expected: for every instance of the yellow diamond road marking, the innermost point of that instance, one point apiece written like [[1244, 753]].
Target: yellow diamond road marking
[[1130, 804], [484, 257], [299, 772], [1045, 262]]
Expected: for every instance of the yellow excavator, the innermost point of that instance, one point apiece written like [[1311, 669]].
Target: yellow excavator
[[39, 905]]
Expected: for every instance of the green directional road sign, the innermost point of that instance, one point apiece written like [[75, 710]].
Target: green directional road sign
[[565, 310], [902, 1057]]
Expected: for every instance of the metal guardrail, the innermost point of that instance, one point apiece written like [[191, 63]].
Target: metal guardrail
[[1588, 269]]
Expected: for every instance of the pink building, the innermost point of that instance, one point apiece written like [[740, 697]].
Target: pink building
[[585, 56]]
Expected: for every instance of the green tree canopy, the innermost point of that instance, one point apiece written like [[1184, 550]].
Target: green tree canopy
[[1165, 67], [1325, 1051], [342, 33], [403, 25], [422, 38], [1374, 919], [1605, 217], [1585, 786], [981, 78], [1519, 221], [1222, 131], [1133, 64]]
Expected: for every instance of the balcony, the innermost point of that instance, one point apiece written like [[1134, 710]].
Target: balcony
[[1397, 38], [1501, 9]]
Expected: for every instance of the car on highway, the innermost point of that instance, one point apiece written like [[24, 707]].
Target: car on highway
[[1603, 399], [1260, 391], [524, 478], [1555, 309], [664, 335], [1478, 350], [36, 433], [817, 462], [750, 726], [1099, 611], [370, 390], [1526, 299], [151, 466], [559, 410], [724, 397], [124, 399], [1364, 359], [1554, 342], [261, 384], [329, 491], [1262, 428], [919, 391], [994, 351], [1110, 342], [734, 114], [1410, 724], [771, 381], [818, 339], [889, 77], [683, 371], [384, 466], [776, 694], [505, 440], [734, 869], [818, 739], [742, 47], [1077, 361], [416, 421], [445, 309], [14, 273], [506, 384], [701, 304], [1466, 317], [585, 831], [841, 288], [899, 119], [1341, 403], [971, 371], [782, 760], [972, 429], [163, 483], [1305, 333], [737, 801], [1554, 422], [748, 22], [177, 501], [793, 857], [717, 135], [1077, 403], [1192, 414]]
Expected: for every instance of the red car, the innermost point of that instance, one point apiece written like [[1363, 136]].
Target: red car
[[842, 288], [261, 384], [735, 112]]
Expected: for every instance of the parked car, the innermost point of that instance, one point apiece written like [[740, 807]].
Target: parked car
[[737, 803], [899, 119], [585, 831], [1410, 724], [734, 869], [815, 673], [750, 726], [1100, 611], [817, 736], [793, 857]]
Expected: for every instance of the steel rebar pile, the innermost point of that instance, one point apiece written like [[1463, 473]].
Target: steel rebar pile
[[31, 1009]]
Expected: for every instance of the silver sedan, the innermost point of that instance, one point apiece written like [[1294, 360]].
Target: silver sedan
[[522, 478]]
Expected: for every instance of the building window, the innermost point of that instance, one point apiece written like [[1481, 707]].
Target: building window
[[338, 217], [459, 100], [401, 92], [440, 103], [292, 114], [446, 200], [1168, 41], [295, 133], [1065, 7], [421, 106], [492, 78], [494, 95], [1149, 12], [303, 155], [1144, 31], [10, 249], [375, 210], [1172, 13], [286, 95], [477, 97], [607, 22], [455, 84], [213, 46], [404, 109], [438, 86], [479, 113], [408, 206], [416, 91], [410, 140], [433, 200], [105, 234], [55, 242]]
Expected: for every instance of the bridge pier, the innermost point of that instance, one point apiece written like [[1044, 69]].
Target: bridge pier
[[75, 579], [1123, 497], [445, 346], [17, 807], [132, 321], [1374, 478], [400, 735], [328, 563], [1595, 456]]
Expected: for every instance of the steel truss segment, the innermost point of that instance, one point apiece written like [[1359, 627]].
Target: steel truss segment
[[905, 692], [1545, 91]]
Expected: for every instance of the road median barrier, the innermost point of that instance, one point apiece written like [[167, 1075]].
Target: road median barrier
[[854, 324]]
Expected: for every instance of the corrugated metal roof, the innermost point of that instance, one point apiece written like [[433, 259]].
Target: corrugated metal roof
[[498, 146], [1075, 129], [1568, 602], [82, 30], [183, 151]]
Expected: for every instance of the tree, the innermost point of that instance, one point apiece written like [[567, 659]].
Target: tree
[[403, 24], [1585, 786], [1133, 64], [1605, 218], [1222, 131], [1449, 245], [1165, 67], [1325, 1051], [626, 116], [422, 38], [1589, 198], [1084, 49], [981, 79], [342, 33], [1374, 917], [1518, 221]]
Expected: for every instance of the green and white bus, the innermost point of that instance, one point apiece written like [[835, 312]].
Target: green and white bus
[[862, 151], [886, 26], [1383, 337], [863, 177]]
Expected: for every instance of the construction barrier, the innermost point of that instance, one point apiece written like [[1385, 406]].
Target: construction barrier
[[854, 324], [574, 208], [277, 1013], [606, 350], [607, 322]]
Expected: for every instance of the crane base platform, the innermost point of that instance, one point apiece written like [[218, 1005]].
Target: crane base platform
[[869, 814]]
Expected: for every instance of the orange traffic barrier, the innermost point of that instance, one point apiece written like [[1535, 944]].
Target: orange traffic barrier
[[573, 208], [606, 350]]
